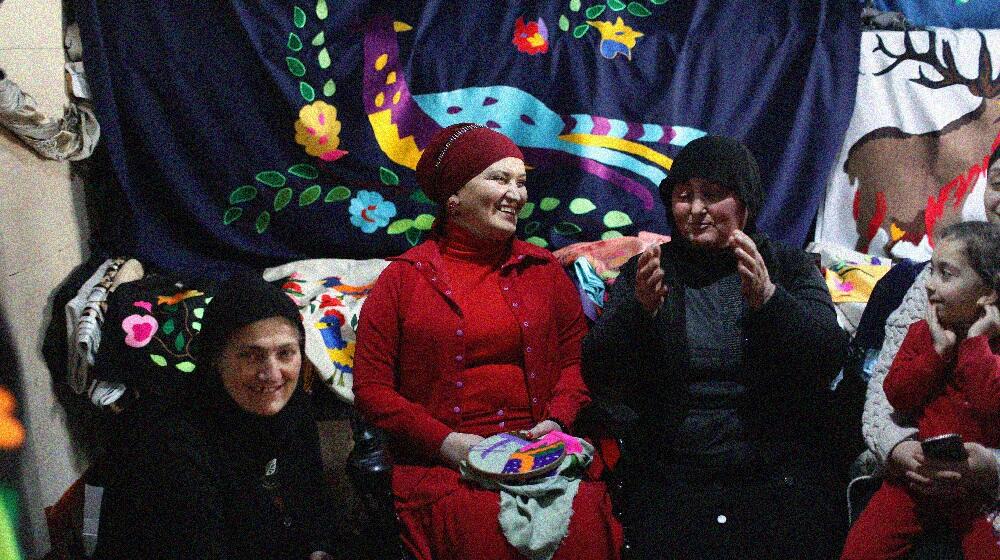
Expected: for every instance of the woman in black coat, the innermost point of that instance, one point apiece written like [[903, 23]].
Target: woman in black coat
[[230, 468], [724, 343]]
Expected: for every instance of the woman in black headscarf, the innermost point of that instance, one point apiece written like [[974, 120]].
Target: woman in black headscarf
[[723, 342], [234, 471]]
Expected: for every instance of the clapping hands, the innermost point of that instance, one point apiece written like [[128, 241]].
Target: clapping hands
[[649, 287], [755, 281]]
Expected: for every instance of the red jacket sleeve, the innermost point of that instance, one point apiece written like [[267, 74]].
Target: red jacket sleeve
[[977, 374], [917, 372], [376, 358], [570, 393]]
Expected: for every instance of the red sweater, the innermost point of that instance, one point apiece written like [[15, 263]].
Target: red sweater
[[461, 336], [963, 397]]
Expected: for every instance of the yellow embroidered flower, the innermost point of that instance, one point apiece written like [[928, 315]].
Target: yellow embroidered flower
[[616, 38], [318, 130]]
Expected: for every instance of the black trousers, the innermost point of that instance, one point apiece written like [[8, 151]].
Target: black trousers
[[756, 512]]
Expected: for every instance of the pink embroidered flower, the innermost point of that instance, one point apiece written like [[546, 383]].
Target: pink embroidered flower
[[139, 329], [318, 130], [531, 37]]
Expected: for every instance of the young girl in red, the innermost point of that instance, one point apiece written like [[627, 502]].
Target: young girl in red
[[947, 376]]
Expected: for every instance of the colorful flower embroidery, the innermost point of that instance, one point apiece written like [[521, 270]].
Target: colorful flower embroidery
[[139, 329], [318, 130], [616, 38], [369, 211], [531, 37]]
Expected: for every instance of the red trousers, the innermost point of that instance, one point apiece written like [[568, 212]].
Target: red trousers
[[893, 519]]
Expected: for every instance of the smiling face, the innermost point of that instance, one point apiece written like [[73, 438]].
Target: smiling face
[[954, 287], [488, 204], [706, 213], [260, 365], [992, 196]]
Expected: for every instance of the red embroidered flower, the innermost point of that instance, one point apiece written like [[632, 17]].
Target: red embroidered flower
[[335, 313], [531, 37], [329, 301], [292, 287]]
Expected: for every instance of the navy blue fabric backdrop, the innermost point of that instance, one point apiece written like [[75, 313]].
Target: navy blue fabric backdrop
[[251, 133]]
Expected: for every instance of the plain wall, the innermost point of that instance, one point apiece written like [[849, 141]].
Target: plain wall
[[43, 238]]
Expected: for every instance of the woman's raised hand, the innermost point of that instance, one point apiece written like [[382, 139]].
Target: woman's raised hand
[[988, 324], [944, 339], [755, 281], [649, 287], [456, 446]]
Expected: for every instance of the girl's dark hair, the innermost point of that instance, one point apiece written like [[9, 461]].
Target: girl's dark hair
[[982, 248]]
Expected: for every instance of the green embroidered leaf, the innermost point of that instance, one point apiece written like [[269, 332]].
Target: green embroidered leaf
[[388, 177], [299, 17], [271, 178], [199, 312], [611, 234], [658, 2], [337, 194], [423, 222], [399, 226], [321, 9], [595, 10], [179, 342], [329, 88], [548, 203], [526, 210], [243, 194], [566, 228], [295, 66], [574, 5], [531, 227], [294, 43], [617, 219], [186, 367], [538, 241], [564, 23], [616, 5], [231, 215], [307, 92], [170, 308], [168, 327], [354, 322], [637, 9], [310, 195], [158, 360], [413, 235], [419, 196], [263, 220], [195, 325], [319, 39], [324, 58], [208, 300], [581, 30], [304, 170], [581, 206], [282, 198]]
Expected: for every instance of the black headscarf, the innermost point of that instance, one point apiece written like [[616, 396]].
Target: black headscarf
[[239, 302], [721, 160]]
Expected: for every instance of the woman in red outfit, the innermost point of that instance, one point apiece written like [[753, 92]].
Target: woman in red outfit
[[467, 335]]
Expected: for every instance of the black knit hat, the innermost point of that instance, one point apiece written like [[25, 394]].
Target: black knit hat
[[240, 301], [721, 160]]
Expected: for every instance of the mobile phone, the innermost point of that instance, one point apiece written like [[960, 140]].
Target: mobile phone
[[946, 447]]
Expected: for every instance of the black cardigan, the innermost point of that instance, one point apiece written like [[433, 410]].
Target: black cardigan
[[187, 487], [793, 348]]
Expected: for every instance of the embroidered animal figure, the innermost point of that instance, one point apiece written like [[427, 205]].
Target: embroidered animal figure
[[907, 182], [616, 151]]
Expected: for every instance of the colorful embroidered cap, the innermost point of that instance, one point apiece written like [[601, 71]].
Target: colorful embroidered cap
[[457, 154]]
